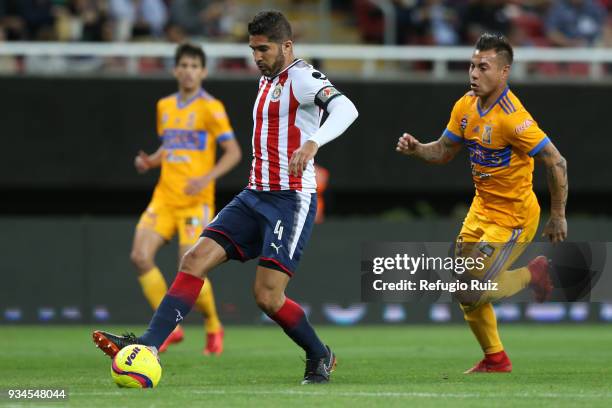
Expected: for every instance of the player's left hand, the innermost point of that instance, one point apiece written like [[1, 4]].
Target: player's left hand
[[301, 157], [555, 229], [197, 184]]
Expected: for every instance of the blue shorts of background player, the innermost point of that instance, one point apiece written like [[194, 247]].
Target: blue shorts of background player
[[272, 225]]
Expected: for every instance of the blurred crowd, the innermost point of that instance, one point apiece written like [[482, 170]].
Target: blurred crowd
[[119, 20], [557, 23], [553, 23], [563, 23]]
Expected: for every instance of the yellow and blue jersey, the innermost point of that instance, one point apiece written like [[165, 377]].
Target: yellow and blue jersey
[[502, 141], [189, 132]]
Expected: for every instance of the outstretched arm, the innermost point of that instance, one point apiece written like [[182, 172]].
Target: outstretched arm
[[556, 173], [441, 151]]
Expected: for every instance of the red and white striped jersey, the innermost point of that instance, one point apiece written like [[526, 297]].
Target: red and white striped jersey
[[285, 115]]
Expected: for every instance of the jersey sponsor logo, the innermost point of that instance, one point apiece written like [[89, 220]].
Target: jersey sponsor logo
[[164, 118], [276, 93], [486, 134], [523, 126], [464, 122], [488, 157], [173, 157], [479, 174], [184, 139]]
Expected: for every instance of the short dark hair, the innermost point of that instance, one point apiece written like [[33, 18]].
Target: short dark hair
[[497, 42], [190, 50], [273, 24]]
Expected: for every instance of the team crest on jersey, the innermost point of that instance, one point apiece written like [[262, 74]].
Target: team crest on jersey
[[276, 93], [486, 134], [476, 129], [463, 123]]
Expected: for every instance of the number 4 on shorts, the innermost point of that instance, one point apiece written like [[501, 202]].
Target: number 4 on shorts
[[278, 230]]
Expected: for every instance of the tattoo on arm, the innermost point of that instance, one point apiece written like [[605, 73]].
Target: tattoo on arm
[[439, 152], [556, 175]]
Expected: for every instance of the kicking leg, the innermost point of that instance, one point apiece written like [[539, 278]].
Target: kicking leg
[[177, 303], [205, 303]]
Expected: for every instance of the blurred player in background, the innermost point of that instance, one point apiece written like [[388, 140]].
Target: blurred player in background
[[190, 124], [502, 139], [322, 178], [273, 217]]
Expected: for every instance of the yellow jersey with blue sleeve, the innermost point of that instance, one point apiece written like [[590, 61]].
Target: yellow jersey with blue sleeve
[[189, 132], [501, 141]]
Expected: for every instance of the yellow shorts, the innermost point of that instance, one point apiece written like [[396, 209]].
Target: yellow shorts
[[498, 246], [166, 221]]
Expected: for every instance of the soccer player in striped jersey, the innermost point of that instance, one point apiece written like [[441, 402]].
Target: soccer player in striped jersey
[[503, 140], [273, 217]]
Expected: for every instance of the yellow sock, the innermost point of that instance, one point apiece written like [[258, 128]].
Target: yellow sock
[[206, 304], [509, 283], [483, 323], [153, 286]]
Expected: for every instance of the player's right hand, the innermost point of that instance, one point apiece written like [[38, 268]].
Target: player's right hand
[[555, 229], [407, 144], [141, 162]]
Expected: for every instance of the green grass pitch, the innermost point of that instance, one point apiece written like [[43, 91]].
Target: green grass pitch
[[419, 366]]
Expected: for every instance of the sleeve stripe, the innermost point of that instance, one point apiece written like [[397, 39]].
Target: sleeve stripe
[[225, 136], [539, 146], [452, 136]]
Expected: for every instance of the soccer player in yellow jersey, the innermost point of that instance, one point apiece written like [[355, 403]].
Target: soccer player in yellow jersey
[[503, 140], [190, 124]]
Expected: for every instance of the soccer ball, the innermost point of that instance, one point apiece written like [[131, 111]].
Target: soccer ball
[[136, 366]]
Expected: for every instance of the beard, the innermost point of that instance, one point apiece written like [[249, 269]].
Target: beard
[[276, 67]]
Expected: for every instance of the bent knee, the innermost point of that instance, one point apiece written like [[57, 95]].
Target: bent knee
[[268, 301], [196, 254], [201, 258], [142, 261]]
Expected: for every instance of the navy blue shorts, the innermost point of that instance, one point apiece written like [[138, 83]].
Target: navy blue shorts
[[272, 225]]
